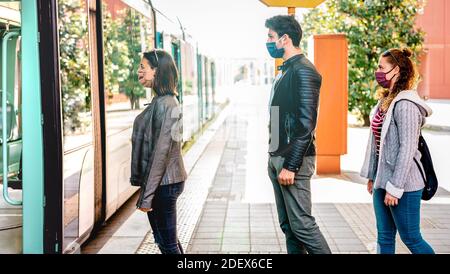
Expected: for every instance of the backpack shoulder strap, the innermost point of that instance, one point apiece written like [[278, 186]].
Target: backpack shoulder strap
[[393, 116]]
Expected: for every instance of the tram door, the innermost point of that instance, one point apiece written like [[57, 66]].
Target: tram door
[[213, 89], [11, 129], [81, 128], [206, 89], [201, 88], [21, 162]]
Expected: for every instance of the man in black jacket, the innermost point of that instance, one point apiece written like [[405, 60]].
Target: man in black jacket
[[293, 109]]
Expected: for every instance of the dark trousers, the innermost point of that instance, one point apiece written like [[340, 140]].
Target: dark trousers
[[163, 218], [294, 209]]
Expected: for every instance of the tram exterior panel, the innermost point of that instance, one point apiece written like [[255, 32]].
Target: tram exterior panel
[[99, 49]]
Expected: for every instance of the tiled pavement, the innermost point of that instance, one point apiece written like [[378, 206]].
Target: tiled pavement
[[201, 169], [435, 225], [128, 231], [229, 225], [228, 205]]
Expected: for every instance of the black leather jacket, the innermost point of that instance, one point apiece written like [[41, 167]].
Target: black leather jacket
[[296, 94], [156, 149]]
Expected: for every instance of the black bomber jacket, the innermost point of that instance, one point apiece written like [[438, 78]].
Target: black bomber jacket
[[296, 94]]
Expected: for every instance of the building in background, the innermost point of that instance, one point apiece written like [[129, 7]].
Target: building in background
[[435, 65], [250, 71]]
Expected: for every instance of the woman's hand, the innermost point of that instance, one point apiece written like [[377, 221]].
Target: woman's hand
[[390, 200], [144, 209], [370, 187]]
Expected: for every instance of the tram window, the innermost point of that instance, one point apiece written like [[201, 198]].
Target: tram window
[[16, 133], [189, 70], [127, 34], [75, 69], [13, 95]]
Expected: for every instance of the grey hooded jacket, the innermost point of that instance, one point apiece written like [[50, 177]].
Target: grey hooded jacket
[[156, 148], [394, 169]]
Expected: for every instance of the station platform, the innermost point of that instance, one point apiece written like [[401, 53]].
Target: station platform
[[228, 204]]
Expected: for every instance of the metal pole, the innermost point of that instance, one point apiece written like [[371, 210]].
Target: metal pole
[[291, 11]]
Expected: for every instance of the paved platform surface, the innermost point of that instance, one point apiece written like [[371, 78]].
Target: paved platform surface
[[228, 204]]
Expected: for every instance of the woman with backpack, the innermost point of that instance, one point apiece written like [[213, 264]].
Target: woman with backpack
[[392, 163]]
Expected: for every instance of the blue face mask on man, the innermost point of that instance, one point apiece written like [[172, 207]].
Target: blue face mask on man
[[273, 50]]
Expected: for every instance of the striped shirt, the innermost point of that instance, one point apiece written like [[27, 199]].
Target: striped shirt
[[376, 125]]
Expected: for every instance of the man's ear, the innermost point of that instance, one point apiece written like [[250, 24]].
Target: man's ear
[[287, 39]]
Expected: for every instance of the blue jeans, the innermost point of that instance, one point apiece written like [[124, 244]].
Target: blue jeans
[[405, 217], [163, 218]]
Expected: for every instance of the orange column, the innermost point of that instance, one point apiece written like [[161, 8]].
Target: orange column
[[291, 11], [331, 59], [278, 62]]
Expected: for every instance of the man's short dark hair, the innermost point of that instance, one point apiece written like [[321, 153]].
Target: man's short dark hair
[[286, 24]]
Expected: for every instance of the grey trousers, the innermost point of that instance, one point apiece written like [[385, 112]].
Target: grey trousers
[[294, 209]]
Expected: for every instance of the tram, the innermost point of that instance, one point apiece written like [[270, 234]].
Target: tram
[[70, 94]]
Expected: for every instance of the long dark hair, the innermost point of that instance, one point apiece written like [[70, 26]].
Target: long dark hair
[[407, 78], [166, 76]]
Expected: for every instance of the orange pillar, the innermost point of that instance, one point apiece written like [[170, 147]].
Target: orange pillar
[[278, 62], [291, 10], [331, 59]]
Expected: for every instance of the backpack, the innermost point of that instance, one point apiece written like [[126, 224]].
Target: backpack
[[429, 178]]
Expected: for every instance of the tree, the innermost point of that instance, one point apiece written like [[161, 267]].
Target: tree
[[116, 50], [125, 38], [130, 33], [371, 26]]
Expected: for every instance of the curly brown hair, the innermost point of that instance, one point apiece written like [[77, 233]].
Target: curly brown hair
[[407, 78]]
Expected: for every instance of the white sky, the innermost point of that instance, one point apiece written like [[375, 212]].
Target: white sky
[[225, 28]]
